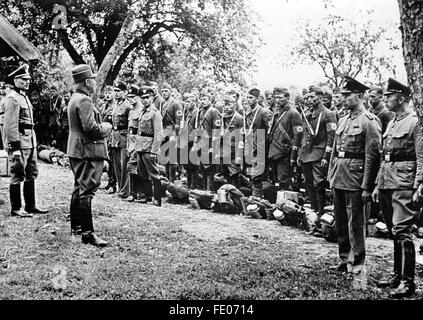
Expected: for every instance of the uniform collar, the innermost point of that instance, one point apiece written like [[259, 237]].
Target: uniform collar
[[379, 108], [82, 90], [253, 110], [20, 91], [402, 115], [281, 110], [357, 112]]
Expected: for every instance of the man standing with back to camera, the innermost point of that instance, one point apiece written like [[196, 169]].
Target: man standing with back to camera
[[87, 150]]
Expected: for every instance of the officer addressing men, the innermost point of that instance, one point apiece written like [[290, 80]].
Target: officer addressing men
[[352, 173], [87, 150], [21, 143], [399, 177]]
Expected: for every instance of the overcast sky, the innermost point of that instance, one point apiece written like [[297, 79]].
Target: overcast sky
[[278, 27]]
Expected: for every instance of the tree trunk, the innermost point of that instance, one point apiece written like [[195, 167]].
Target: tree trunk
[[115, 51], [412, 42]]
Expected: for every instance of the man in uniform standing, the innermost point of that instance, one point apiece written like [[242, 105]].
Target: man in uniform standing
[[119, 138], [106, 116], [284, 139], [21, 143], [378, 108], [134, 181], [150, 130], [209, 122], [171, 111], [352, 174], [316, 148], [186, 139], [399, 176], [256, 129], [87, 150], [232, 141]]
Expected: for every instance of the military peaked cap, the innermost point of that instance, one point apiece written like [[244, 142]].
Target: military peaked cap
[[280, 90], [120, 85], [144, 91], [133, 90], [395, 86], [254, 92], [353, 86], [21, 73]]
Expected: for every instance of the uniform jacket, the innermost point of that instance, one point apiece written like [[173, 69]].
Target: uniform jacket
[[18, 125], [256, 119], [209, 123], [133, 117], [55, 104], [232, 125], [384, 115], [106, 116], [358, 134], [285, 133], [120, 115], [187, 127], [315, 148], [150, 130], [403, 138], [171, 111], [87, 134]]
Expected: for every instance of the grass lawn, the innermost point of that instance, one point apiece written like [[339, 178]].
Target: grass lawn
[[172, 252]]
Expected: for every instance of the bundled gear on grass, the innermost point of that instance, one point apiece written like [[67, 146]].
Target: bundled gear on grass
[[179, 191], [53, 155], [294, 215], [229, 200], [269, 191], [201, 199], [328, 227]]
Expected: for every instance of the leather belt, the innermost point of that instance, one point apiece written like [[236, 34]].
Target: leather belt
[[143, 134], [133, 130], [117, 128], [23, 126], [350, 155], [399, 158]]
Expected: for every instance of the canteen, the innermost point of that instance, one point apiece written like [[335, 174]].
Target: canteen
[[278, 214], [4, 164], [221, 196]]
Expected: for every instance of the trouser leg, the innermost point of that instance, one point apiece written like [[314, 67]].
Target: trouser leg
[[15, 196], [284, 174], [356, 226], [257, 186], [311, 189], [321, 198], [341, 218]]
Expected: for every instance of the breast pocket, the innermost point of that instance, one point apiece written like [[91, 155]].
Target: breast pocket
[[400, 141], [355, 138]]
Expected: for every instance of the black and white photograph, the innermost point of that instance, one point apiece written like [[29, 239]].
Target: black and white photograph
[[224, 152]]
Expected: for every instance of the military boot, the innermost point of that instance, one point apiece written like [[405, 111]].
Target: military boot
[[394, 280], [75, 216], [16, 202], [157, 187], [132, 194], [88, 235], [29, 196], [257, 187], [406, 287], [312, 195]]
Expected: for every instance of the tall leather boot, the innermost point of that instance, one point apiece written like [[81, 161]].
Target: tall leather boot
[[321, 198], [394, 280], [257, 187], [406, 287], [195, 177], [189, 179], [29, 196], [16, 202], [157, 192], [75, 216], [312, 194], [88, 235], [131, 184]]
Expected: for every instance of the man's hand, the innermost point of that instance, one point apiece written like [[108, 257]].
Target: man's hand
[[172, 139], [153, 157], [375, 195], [324, 163], [417, 197], [238, 160], [366, 196]]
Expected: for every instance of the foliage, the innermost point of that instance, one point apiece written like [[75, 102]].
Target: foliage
[[220, 33], [340, 46]]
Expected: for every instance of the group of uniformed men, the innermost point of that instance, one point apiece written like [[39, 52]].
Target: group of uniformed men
[[364, 153]]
